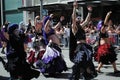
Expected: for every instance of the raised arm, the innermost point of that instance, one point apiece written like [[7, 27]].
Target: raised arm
[[88, 16], [47, 23], [103, 29], [74, 27], [59, 24], [107, 17], [36, 18]]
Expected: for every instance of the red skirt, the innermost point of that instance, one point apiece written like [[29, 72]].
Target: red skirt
[[105, 54], [32, 58]]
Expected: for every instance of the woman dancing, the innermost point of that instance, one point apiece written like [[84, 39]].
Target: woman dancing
[[83, 53], [16, 56], [52, 60], [105, 53]]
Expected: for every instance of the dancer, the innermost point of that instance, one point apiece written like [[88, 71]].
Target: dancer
[[52, 60], [105, 53], [83, 53], [16, 56], [38, 47]]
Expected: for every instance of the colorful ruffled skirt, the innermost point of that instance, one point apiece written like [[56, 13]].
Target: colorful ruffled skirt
[[105, 54], [52, 61]]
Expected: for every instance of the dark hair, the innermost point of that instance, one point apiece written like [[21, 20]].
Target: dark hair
[[12, 27]]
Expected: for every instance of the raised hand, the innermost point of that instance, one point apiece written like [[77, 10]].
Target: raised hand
[[109, 12], [62, 18], [89, 8], [37, 17], [75, 4], [51, 15]]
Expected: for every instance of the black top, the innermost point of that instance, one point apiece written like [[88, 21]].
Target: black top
[[80, 35], [39, 34], [104, 35], [15, 47]]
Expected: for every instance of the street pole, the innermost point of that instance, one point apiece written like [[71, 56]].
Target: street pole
[[41, 9], [1, 1]]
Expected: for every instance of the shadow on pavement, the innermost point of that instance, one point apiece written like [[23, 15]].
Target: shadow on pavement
[[113, 74], [66, 76], [61, 76], [4, 78], [58, 75]]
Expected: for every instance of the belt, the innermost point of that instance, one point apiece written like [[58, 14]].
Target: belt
[[81, 41]]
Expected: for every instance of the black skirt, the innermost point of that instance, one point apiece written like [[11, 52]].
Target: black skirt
[[83, 53], [18, 67]]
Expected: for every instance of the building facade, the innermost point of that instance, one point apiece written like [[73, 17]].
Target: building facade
[[10, 11], [31, 8], [22, 10]]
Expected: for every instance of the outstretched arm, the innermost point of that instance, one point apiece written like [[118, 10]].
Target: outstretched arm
[[88, 16]]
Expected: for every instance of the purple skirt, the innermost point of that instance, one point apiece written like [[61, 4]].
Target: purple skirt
[[51, 62]]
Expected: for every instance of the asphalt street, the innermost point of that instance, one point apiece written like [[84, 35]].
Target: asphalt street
[[107, 70]]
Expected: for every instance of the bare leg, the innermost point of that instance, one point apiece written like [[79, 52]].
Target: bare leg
[[99, 66], [114, 66]]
